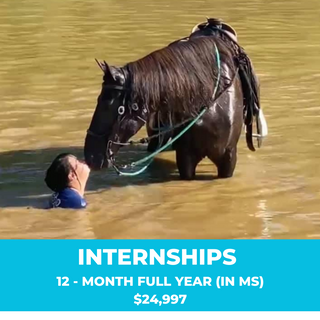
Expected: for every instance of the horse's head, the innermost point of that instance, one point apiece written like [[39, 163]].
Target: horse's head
[[115, 120]]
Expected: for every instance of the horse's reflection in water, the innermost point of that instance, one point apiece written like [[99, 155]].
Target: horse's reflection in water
[[169, 87]]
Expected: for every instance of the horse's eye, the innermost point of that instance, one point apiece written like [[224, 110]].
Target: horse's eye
[[135, 107], [121, 110]]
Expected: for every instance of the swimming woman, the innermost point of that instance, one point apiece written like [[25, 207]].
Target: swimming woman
[[67, 177]]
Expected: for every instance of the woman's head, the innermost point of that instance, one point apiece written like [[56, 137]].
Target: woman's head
[[67, 171]]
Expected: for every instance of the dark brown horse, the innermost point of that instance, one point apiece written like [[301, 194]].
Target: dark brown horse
[[169, 87]]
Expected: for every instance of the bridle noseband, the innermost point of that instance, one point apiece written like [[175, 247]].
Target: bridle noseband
[[98, 136]]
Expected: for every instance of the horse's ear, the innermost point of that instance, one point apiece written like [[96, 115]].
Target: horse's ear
[[115, 73], [105, 68], [111, 72], [101, 66]]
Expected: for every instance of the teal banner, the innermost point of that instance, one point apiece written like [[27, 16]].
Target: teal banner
[[159, 275]]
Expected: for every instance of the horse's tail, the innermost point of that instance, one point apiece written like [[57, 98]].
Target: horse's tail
[[251, 95]]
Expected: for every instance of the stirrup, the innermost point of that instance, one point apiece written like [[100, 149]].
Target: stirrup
[[262, 128]]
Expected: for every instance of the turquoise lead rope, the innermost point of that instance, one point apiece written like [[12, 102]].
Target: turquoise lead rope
[[150, 157]]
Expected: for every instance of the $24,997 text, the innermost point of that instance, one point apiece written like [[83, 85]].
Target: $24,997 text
[[165, 299]]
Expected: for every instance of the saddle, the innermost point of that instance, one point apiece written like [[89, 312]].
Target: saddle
[[212, 24]]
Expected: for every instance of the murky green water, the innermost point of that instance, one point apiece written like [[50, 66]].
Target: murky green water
[[49, 83]]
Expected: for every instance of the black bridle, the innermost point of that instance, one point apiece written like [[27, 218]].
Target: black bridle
[[114, 87], [121, 114], [98, 136]]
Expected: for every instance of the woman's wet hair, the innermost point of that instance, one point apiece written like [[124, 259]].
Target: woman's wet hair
[[57, 176]]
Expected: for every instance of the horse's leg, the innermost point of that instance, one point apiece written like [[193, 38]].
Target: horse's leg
[[227, 130], [187, 162], [153, 144], [227, 163]]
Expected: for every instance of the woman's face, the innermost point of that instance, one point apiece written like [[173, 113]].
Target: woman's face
[[80, 168]]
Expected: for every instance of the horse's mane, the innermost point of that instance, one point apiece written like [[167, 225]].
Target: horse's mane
[[179, 79]]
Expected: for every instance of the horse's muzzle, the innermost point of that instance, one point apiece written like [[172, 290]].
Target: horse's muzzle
[[95, 162]]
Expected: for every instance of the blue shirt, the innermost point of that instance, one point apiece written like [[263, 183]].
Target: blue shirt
[[68, 199]]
